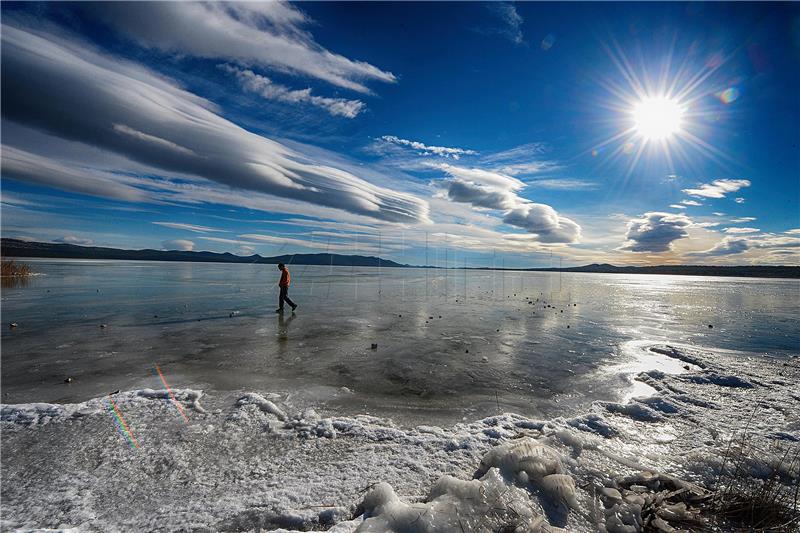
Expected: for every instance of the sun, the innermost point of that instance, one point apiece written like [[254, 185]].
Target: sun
[[661, 112], [657, 119]]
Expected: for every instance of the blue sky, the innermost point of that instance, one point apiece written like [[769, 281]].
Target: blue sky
[[527, 133]]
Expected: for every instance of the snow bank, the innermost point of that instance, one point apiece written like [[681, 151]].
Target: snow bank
[[485, 504], [254, 461]]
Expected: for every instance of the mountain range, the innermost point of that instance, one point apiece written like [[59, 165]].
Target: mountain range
[[18, 248]]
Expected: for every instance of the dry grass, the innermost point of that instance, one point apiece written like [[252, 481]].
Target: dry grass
[[14, 274], [12, 268], [758, 487]]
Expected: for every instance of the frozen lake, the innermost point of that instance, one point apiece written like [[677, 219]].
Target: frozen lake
[[294, 423], [452, 344]]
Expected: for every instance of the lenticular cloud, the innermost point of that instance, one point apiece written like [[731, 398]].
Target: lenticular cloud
[[72, 92]]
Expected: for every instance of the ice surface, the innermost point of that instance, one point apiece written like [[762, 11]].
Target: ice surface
[[296, 424], [260, 461], [502, 338]]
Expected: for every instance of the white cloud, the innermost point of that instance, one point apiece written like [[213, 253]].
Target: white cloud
[[72, 239], [426, 150], [717, 188], [741, 220], [543, 221], [178, 244], [97, 94], [493, 190], [736, 245], [655, 232], [266, 34], [484, 196], [14, 201], [32, 168], [292, 243], [564, 184], [520, 160], [226, 241], [739, 200], [522, 152], [690, 202], [269, 90], [795, 231], [677, 206], [246, 250], [741, 230], [188, 227], [482, 177], [727, 246]]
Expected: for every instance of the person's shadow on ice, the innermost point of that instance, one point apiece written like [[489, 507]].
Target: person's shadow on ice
[[283, 326]]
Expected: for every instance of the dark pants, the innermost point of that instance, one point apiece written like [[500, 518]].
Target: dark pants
[[284, 297]]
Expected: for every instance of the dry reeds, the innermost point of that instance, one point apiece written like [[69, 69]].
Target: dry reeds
[[14, 274], [12, 268], [758, 488]]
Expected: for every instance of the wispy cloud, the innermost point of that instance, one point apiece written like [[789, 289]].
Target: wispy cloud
[[691, 202], [269, 90], [223, 240], [12, 200], [33, 168], [266, 34], [565, 184], [742, 220], [188, 227], [739, 200], [510, 22], [736, 245], [717, 188], [677, 206], [96, 92], [72, 239], [286, 242], [741, 230], [520, 160], [178, 244], [425, 149]]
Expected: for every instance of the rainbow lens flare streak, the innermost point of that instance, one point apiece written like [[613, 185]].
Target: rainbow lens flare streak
[[172, 396], [122, 426]]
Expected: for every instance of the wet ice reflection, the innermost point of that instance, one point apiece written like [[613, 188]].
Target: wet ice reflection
[[449, 344]]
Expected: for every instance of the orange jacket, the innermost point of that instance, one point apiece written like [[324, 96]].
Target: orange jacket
[[286, 278]]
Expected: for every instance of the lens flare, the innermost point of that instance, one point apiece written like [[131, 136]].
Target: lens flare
[[172, 396], [657, 118], [122, 426], [548, 42], [729, 95]]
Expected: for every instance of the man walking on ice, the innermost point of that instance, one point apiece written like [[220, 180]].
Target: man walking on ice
[[283, 285]]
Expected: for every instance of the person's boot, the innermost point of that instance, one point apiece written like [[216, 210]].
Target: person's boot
[[279, 310], [294, 307]]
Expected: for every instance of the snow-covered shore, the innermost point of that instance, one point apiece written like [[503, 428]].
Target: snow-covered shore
[[254, 461]]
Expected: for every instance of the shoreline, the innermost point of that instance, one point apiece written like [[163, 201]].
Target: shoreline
[[256, 460]]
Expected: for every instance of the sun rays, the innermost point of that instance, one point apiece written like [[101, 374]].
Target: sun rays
[[661, 111]]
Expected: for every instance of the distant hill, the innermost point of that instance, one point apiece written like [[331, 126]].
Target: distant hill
[[746, 271], [17, 248]]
